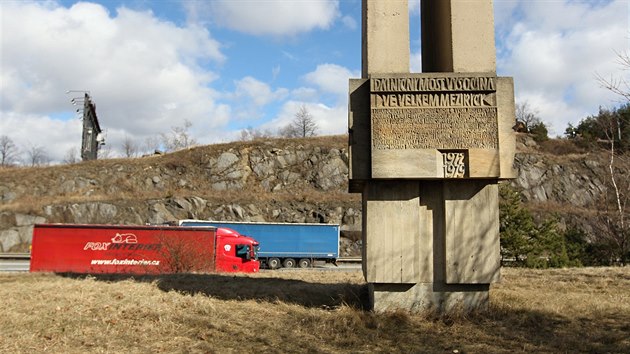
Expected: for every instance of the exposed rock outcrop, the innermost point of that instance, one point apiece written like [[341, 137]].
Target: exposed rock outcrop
[[295, 180], [575, 181]]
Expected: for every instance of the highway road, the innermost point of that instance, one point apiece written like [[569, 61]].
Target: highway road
[[22, 265]]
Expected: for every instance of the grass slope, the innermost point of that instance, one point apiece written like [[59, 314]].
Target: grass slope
[[550, 311], [125, 179]]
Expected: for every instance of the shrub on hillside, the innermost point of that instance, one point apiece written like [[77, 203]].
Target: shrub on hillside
[[524, 242], [539, 132], [608, 126]]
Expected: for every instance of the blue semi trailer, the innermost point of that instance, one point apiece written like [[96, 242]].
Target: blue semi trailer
[[285, 244]]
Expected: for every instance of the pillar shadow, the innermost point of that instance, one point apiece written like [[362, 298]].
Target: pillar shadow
[[229, 287]]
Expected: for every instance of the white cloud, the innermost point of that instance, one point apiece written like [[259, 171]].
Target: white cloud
[[325, 80], [305, 94], [251, 95], [329, 120], [275, 72], [276, 18], [504, 13], [289, 55], [145, 74], [57, 137], [331, 78], [554, 51], [257, 91], [415, 62], [349, 22], [414, 6]]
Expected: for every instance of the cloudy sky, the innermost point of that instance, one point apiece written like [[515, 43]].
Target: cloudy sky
[[226, 65]]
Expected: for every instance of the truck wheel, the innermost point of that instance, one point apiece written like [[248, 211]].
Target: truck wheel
[[304, 263], [289, 263], [273, 263]]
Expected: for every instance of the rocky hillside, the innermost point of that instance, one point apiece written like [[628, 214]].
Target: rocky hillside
[[295, 180]]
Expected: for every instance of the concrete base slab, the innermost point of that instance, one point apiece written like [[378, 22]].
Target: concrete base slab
[[429, 297]]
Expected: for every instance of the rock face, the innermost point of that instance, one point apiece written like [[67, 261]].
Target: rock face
[[275, 181], [17, 231], [576, 181], [295, 180]]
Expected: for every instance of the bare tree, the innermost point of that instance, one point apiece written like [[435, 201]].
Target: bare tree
[[105, 152], [303, 125], [151, 145], [72, 156], [529, 122], [37, 155], [527, 115], [130, 148], [9, 152], [617, 229], [618, 85], [250, 134], [178, 138]]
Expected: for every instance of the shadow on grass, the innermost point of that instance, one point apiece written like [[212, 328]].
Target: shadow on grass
[[526, 330], [498, 330], [227, 287]]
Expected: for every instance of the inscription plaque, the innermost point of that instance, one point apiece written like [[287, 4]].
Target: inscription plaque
[[414, 117]]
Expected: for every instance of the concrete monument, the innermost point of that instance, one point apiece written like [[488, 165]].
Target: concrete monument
[[426, 153]]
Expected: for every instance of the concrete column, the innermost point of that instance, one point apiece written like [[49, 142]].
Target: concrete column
[[430, 245], [430, 240], [385, 37], [458, 36]]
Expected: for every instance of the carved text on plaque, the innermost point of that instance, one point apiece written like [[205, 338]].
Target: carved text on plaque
[[430, 128], [422, 112], [454, 164]]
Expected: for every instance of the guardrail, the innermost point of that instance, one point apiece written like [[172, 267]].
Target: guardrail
[[15, 256], [349, 260]]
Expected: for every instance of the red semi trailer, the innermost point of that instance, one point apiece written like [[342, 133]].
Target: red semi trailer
[[128, 249]]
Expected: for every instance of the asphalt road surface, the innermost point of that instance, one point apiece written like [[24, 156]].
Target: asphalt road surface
[[328, 266], [22, 265]]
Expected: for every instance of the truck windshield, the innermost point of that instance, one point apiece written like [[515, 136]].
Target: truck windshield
[[242, 251]]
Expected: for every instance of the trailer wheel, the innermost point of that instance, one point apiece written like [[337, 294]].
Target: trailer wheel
[[304, 263], [289, 263], [273, 263]]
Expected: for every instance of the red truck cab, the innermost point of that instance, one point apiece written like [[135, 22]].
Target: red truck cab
[[131, 249], [235, 252]]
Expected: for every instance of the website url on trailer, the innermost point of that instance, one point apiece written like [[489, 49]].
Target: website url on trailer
[[140, 262]]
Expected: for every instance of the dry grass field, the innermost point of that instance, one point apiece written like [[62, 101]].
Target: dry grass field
[[532, 311]]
